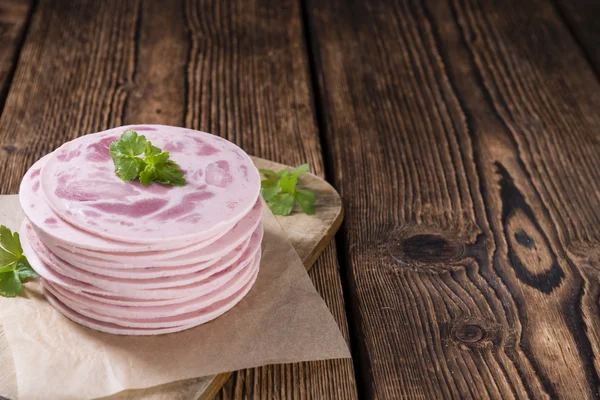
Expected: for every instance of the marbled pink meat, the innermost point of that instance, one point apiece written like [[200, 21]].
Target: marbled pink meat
[[149, 272], [175, 313], [147, 309], [123, 327], [240, 232], [202, 280], [74, 185], [92, 283], [55, 230]]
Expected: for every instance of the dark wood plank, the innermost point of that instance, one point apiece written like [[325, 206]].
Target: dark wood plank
[[237, 69], [582, 17], [13, 21], [75, 70], [464, 143]]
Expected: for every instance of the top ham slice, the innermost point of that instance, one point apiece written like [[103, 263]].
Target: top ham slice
[[57, 231], [80, 186]]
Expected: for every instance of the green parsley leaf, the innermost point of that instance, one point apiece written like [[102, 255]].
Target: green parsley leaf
[[7, 268], [147, 176], [25, 271], [7, 259], [169, 174], [128, 168], [301, 169], [156, 159], [10, 284], [10, 242], [306, 201], [269, 174], [154, 167], [14, 267], [283, 172], [280, 193], [10, 249], [159, 168], [151, 150], [282, 203], [288, 183], [129, 145], [269, 188]]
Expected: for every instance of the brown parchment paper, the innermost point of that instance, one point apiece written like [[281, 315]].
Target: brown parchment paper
[[281, 320]]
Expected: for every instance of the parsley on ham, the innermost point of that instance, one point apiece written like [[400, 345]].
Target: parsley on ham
[[154, 167]]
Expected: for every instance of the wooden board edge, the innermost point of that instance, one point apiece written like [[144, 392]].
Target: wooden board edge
[[215, 386], [328, 237]]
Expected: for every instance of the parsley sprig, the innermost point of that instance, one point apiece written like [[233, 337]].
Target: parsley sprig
[[279, 191], [154, 167], [14, 267]]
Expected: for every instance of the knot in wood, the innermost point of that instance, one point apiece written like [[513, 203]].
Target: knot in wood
[[9, 148], [469, 334], [430, 248]]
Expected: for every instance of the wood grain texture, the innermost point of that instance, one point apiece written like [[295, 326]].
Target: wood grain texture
[[75, 70], [236, 69], [464, 143], [13, 21], [582, 17]]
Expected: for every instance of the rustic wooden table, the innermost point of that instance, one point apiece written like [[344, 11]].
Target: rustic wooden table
[[462, 135]]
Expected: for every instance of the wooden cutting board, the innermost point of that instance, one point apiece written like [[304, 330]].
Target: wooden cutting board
[[309, 234]]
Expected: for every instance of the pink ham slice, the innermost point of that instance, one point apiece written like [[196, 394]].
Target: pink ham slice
[[172, 325], [214, 275], [240, 232], [55, 230], [103, 326], [133, 278], [160, 296], [133, 309], [188, 319], [117, 300], [82, 188], [105, 312], [218, 243], [93, 283], [148, 272]]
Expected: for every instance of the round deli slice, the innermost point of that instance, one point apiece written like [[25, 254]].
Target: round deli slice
[[217, 243], [53, 229], [117, 300], [83, 304], [236, 236], [132, 309], [82, 188], [213, 275], [195, 317], [153, 254], [104, 326], [170, 325], [177, 286], [166, 295], [148, 272]]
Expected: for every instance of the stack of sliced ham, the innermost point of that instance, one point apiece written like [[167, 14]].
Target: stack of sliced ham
[[130, 259]]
